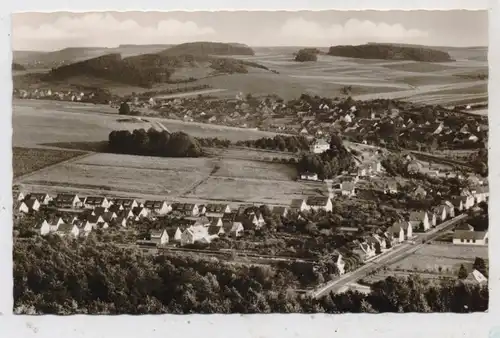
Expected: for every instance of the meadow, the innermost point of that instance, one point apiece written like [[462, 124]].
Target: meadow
[[27, 160]]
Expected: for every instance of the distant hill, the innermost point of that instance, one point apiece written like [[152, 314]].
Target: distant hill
[[148, 69], [203, 48], [390, 52], [17, 66]]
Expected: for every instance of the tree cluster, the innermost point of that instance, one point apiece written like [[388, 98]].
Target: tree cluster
[[154, 143], [57, 276], [279, 143], [307, 54]]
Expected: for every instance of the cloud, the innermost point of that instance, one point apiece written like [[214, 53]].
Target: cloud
[[298, 31], [103, 30]]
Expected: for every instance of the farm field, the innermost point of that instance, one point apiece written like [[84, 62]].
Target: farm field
[[192, 179], [39, 123], [27, 160]]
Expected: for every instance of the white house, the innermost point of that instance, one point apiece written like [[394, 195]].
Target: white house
[[420, 219], [441, 212], [470, 237], [217, 210], [364, 250], [307, 176], [126, 203], [319, 146], [20, 196], [67, 230], [482, 194], [43, 198], [319, 203], [92, 202], [339, 262], [402, 230], [175, 235], [29, 205], [450, 209], [299, 204], [194, 234], [159, 237], [476, 277], [68, 201], [44, 228]]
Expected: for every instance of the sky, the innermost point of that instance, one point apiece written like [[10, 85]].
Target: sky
[[57, 30]]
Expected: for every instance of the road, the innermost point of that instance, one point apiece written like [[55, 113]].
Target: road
[[387, 258]]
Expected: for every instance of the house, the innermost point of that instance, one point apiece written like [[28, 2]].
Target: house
[[54, 223], [65, 230], [419, 192], [96, 201], [99, 211], [229, 217], [194, 234], [43, 198], [236, 229], [364, 250], [475, 277], [215, 221], [29, 206], [299, 205], [348, 189], [44, 228], [420, 220], [482, 194], [401, 231], [94, 219], [319, 203], [458, 204], [376, 241], [121, 221], [414, 166], [85, 227], [68, 201], [185, 209], [116, 208], [20, 197], [432, 218], [339, 262], [101, 225], [450, 209], [217, 210], [319, 146], [467, 201], [159, 237], [215, 231], [126, 203], [280, 211], [391, 188], [175, 235], [441, 212], [308, 176], [127, 213], [109, 216], [140, 212], [470, 237]]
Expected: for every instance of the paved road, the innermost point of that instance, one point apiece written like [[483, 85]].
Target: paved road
[[387, 258]]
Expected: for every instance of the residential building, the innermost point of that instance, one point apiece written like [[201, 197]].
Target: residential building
[[317, 203], [441, 212], [159, 237], [44, 228], [68, 201], [482, 194], [217, 210], [364, 250], [280, 211], [185, 209], [475, 277], [43, 198], [299, 205], [319, 146], [194, 234], [96, 201], [175, 235], [65, 230], [140, 212], [391, 188], [470, 237], [308, 176], [339, 262], [20, 197], [420, 220], [401, 230], [419, 192], [29, 206], [126, 203]]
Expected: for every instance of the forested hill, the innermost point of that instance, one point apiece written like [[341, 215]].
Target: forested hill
[[148, 69], [203, 48], [390, 52]]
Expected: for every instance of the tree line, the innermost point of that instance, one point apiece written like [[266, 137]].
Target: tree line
[[278, 143], [154, 143], [58, 276]]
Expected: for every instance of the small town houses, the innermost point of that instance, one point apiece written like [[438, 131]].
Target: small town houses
[[466, 235]]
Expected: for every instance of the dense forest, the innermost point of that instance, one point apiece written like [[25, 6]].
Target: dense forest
[[57, 276], [154, 143], [390, 52], [209, 48], [307, 54], [278, 142], [330, 163]]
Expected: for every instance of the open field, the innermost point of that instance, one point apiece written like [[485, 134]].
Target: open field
[[193, 179], [38, 123], [447, 256], [26, 160]]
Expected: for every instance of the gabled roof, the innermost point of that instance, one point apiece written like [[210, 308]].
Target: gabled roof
[[37, 195], [464, 227], [66, 197], [137, 210], [99, 211], [216, 208], [466, 234], [154, 204], [65, 227], [157, 233], [317, 201], [124, 201], [94, 200], [214, 230], [476, 277], [30, 203]]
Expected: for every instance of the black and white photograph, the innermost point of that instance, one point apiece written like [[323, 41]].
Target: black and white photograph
[[242, 162]]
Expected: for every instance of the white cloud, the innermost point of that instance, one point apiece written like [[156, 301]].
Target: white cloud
[[299, 31], [103, 30]]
